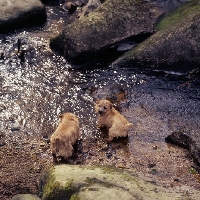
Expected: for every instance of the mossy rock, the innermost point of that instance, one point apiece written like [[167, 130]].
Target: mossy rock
[[17, 14], [179, 15], [91, 38], [25, 197], [78, 182], [175, 45]]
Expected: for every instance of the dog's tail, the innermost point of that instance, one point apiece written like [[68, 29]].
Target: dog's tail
[[129, 125]]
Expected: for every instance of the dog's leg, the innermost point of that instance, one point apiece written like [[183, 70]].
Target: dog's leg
[[111, 134], [99, 123], [55, 159]]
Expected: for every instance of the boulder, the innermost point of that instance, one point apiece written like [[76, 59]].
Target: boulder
[[25, 197], [93, 38], [175, 45], [187, 141], [16, 14], [91, 182]]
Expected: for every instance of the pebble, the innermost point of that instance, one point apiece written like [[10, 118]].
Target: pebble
[[105, 147], [42, 144], [92, 153], [120, 165], [176, 179], [155, 147], [151, 165], [153, 171], [2, 144]]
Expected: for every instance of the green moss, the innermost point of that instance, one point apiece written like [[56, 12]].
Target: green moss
[[193, 171], [54, 190], [92, 181], [171, 23], [180, 14], [43, 180], [154, 171], [110, 169], [75, 197]]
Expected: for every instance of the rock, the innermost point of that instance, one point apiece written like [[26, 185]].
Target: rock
[[89, 7], [89, 182], [186, 141], [175, 46], [2, 55], [16, 14], [25, 197], [91, 38], [176, 179], [2, 144], [120, 165], [70, 6], [170, 5], [154, 147]]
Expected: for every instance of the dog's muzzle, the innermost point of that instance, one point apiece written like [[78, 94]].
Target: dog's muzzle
[[101, 112]]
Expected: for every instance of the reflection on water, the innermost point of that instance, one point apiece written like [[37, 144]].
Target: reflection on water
[[36, 91]]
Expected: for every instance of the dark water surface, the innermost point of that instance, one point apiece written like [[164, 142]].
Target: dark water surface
[[34, 91]]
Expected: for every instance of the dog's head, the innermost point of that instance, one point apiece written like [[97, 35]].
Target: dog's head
[[68, 116], [103, 107]]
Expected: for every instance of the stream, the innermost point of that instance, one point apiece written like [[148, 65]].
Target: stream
[[35, 88]]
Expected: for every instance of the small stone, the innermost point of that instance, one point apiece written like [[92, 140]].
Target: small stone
[[2, 144], [1, 55], [121, 165], [45, 136], [155, 147], [105, 147], [92, 153], [42, 144], [101, 159], [109, 154], [153, 171], [151, 165]]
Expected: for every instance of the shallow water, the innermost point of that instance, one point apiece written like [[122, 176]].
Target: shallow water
[[34, 91]]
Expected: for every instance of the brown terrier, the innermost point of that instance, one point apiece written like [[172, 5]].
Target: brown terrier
[[110, 118], [65, 136]]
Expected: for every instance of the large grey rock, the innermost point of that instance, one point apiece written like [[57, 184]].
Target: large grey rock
[[91, 38], [25, 197], [15, 14], [174, 47], [187, 141], [89, 182]]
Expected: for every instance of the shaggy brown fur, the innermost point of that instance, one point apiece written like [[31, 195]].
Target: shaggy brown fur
[[110, 118], [65, 136]]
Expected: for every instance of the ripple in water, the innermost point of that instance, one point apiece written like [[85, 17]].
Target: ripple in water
[[36, 91]]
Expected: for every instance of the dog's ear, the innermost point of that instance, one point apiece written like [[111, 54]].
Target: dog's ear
[[61, 116], [97, 101], [110, 104], [72, 118]]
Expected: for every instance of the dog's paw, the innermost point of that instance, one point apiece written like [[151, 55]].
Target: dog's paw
[[108, 139]]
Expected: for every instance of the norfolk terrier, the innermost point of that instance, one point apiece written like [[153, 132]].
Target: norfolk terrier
[[110, 118], [65, 136]]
